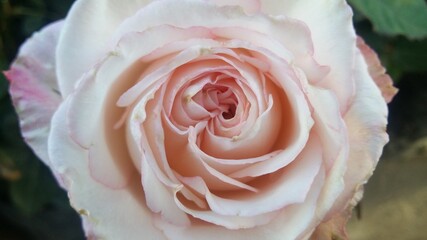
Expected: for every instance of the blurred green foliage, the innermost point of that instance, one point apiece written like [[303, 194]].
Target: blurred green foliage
[[393, 17], [397, 30], [32, 206]]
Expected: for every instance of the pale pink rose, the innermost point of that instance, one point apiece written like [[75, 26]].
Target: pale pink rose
[[199, 119]]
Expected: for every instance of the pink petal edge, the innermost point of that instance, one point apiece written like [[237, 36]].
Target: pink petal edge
[[33, 87], [377, 71]]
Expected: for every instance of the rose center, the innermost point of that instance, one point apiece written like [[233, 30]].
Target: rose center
[[218, 100], [230, 112]]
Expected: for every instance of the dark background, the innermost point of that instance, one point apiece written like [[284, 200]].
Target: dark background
[[32, 206]]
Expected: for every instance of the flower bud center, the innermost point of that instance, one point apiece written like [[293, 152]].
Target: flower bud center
[[217, 99]]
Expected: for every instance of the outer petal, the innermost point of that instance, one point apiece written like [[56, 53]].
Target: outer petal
[[88, 28], [333, 229], [330, 23], [377, 71], [291, 221], [130, 218], [250, 6], [366, 122], [33, 87]]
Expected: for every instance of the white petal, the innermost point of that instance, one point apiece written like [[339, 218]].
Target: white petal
[[366, 123], [89, 26], [288, 225], [120, 67], [333, 36], [131, 219], [250, 6], [277, 191], [34, 88]]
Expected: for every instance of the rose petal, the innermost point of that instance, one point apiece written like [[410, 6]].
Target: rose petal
[[284, 30], [329, 124], [250, 6], [288, 225], [233, 222], [119, 64], [159, 198], [145, 137], [109, 162], [87, 29], [93, 100], [377, 71], [297, 128], [366, 122], [332, 229], [130, 219], [257, 141], [33, 87], [277, 191], [332, 31], [184, 162], [225, 166]]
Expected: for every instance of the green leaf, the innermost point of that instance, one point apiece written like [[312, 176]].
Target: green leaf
[[399, 55], [396, 17]]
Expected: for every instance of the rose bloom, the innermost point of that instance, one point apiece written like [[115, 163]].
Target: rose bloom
[[199, 119]]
